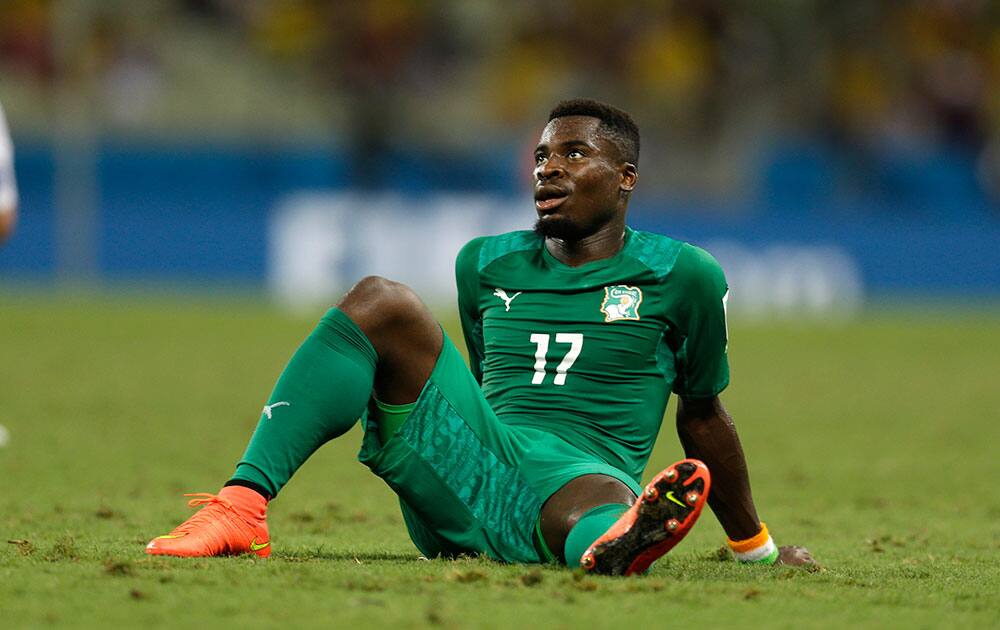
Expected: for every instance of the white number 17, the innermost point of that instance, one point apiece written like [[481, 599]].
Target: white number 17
[[541, 341]]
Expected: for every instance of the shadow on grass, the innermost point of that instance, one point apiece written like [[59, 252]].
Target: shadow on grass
[[346, 556]]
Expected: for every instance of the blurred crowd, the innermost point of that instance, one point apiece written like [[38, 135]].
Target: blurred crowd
[[880, 93]]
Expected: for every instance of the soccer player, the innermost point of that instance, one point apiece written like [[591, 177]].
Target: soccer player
[[8, 186], [577, 332]]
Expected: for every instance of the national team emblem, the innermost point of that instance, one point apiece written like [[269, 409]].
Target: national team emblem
[[621, 302]]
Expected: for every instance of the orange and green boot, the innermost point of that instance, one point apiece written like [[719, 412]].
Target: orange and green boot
[[659, 519], [232, 522]]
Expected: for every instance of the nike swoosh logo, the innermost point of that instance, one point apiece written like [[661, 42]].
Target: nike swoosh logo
[[255, 547], [670, 495], [169, 536]]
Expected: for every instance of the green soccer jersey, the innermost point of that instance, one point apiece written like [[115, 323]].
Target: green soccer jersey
[[591, 353]]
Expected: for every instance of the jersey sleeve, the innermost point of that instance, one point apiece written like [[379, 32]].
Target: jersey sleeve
[[699, 311], [467, 281]]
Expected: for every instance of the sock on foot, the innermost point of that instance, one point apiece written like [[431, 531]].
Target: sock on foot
[[320, 395], [259, 489], [589, 528], [247, 502]]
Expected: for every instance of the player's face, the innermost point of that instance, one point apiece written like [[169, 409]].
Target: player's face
[[580, 179]]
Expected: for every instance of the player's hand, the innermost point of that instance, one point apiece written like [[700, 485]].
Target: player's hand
[[795, 556]]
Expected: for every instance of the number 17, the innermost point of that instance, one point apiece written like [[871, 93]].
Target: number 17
[[541, 341]]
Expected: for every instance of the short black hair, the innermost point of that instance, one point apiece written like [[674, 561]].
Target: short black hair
[[617, 124]]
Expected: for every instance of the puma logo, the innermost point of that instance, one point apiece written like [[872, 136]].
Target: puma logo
[[500, 293], [268, 408]]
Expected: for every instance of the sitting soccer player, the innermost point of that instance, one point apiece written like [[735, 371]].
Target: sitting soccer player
[[577, 332]]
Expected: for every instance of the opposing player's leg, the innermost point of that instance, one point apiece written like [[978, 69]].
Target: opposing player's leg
[[596, 522], [379, 338]]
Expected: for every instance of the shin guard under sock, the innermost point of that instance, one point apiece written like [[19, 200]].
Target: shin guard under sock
[[321, 393]]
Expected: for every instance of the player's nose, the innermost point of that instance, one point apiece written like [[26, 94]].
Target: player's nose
[[548, 169]]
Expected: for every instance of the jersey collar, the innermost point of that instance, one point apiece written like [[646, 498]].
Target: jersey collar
[[557, 265]]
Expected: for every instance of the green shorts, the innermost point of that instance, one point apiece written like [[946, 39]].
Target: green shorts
[[467, 482]]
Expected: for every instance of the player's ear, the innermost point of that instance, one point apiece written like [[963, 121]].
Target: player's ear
[[629, 177]]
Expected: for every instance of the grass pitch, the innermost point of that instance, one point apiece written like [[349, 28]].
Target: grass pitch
[[873, 443]]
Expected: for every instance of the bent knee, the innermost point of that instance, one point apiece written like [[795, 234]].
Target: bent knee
[[376, 301], [375, 288], [388, 295]]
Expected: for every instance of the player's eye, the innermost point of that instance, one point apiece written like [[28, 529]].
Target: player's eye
[[539, 158], [575, 154]]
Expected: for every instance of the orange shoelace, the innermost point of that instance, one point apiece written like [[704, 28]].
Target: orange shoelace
[[216, 529], [206, 498]]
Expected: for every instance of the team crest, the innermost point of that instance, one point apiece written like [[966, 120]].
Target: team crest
[[621, 302]]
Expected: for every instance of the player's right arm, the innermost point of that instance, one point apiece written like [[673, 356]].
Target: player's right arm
[[467, 281], [8, 186]]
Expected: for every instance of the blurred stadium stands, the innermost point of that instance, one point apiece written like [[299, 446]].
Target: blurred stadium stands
[[163, 141]]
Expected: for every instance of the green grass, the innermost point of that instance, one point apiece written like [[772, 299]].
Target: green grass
[[873, 443]]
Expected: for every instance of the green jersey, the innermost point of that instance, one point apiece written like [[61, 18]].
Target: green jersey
[[591, 353]]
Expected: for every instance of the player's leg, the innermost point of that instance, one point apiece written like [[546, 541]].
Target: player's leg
[[597, 522], [379, 337], [456, 468], [403, 332], [586, 507]]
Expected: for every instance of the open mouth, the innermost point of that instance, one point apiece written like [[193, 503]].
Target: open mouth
[[548, 199]]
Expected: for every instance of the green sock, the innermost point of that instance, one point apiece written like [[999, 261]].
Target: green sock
[[321, 393], [390, 417], [589, 528]]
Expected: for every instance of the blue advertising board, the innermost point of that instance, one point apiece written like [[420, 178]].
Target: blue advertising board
[[208, 216]]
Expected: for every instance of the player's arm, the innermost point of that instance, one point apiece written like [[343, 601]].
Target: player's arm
[[708, 433], [467, 281], [8, 220], [8, 186], [704, 426]]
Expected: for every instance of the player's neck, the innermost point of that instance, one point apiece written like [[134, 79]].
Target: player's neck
[[604, 243]]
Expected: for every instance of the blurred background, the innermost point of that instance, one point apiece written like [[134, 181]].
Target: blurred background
[[831, 154]]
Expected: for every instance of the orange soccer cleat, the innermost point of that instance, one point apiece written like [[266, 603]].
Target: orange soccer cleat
[[659, 519], [231, 523]]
